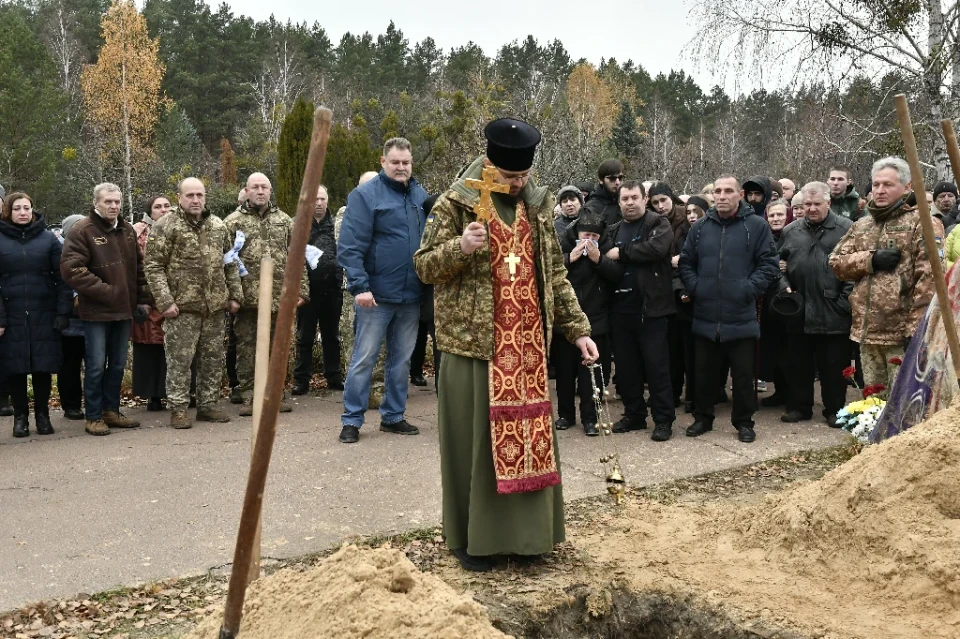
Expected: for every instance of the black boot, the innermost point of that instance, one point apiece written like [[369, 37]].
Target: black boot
[[44, 427], [334, 382], [21, 425], [6, 410], [301, 388]]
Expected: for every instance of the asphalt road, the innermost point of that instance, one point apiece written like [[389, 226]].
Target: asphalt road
[[83, 514]]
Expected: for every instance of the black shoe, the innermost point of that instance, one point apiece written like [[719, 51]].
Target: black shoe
[[6, 410], [44, 427], [774, 400], [590, 430], [73, 413], [746, 434], [335, 383], [418, 380], [795, 416], [562, 423], [831, 420], [349, 435], [21, 426], [154, 405], [300, 388], [688, 407], [698, 428], [662, 432], [472, 562], [236, 397], [400, 428], [626, 424]]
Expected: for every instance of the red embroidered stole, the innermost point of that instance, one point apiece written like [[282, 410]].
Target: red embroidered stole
[[520, 414]]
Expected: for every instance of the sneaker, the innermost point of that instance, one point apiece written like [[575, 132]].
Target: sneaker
[[626, 424], [179, 419], [590, 430], [698, 428], [777, 399], [116, 419], [562, 423], [746, 434], [212, 414], [400, 428], [662, 432], [795, 416], [74, 414], [349, 435], [761, 386], [418, 380], [300, 388], [236, 397], [472, 562], [97, 427]]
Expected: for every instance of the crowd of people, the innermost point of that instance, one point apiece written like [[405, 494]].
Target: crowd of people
[[758, 281]]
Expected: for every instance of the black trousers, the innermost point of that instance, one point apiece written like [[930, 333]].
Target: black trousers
[[826, 354], [712, 360], [69, 377], [573, 378], [682, 360], [643, 357], [419, 356], [41, 393], [322, 310], [4, 391]]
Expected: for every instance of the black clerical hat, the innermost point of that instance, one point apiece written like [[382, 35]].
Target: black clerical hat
[[511, 144]]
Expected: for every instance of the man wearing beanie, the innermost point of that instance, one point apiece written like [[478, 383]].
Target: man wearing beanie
[[945, 203], [570, 201], [489, 247], [603, 200]]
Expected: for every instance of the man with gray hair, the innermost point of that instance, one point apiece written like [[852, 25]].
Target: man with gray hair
[[102, 262], [819, 340], [380, 232], [884, 256]]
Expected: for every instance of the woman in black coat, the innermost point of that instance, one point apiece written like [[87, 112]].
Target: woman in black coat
[[34, 308]]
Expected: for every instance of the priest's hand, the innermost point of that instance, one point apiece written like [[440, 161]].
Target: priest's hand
[[588, 349], [473, 238]]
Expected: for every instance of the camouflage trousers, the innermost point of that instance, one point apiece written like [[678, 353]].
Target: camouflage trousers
[[877, 368], [186, 335], [245, 328], [347, 319]]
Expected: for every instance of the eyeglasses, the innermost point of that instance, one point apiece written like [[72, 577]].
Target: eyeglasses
[[615, 178]]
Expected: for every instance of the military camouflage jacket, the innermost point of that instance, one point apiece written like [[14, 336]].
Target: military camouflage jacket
[[268, 234], [184, 264], [464, 283], [886, 306]]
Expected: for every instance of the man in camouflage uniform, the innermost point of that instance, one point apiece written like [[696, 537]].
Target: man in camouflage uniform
[[267, 230], [192, 287], [884, 255], [348, 317]]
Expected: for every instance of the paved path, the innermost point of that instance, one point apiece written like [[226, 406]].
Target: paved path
[[83, 514]]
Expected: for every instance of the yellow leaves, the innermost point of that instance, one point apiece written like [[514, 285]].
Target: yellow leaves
[[592, 102], [69, 154], [121, 92]]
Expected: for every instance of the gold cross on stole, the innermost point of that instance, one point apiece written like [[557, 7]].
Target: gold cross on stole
[[484, 208], [512, 260]]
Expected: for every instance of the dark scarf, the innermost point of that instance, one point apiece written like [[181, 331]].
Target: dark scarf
[[882, 215]]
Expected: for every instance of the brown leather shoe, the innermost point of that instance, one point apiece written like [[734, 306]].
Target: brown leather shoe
[[118, 420], [97, 427], [212, 415], [179, 419]]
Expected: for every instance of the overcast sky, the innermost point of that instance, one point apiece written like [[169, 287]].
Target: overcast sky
[[651, 33]]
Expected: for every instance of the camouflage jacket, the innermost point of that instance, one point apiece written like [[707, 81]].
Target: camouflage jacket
[[184, 264], [268, 234], [886, 306], [464, 283]]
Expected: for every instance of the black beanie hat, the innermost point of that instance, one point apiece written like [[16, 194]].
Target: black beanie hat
[[944, 187], [590, 223], [662, 188], [699, 201]]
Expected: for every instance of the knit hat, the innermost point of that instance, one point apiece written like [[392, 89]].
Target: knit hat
[[662, 188], [699, 201], [572, 190], [590, 223], [944, 187]]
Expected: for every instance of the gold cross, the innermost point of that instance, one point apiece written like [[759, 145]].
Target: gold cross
[[512, 260], [484, 208]]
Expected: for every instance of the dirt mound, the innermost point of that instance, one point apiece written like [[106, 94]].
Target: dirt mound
[[887, 521], [357, 593]]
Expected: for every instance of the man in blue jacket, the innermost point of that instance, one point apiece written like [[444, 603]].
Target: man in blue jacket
[[378, 237], [728, 261]]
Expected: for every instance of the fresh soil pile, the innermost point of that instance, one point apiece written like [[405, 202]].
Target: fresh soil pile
[[374, 594]]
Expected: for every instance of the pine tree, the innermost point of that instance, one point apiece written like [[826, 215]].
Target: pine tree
[[228, 163], [349, 154], [625, 136], [292, 153]]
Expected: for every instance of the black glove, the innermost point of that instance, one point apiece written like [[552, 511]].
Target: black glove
[[886, 259], [140, 316], [61, 323]]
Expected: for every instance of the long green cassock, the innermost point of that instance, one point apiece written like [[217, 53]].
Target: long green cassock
[[504, 509]]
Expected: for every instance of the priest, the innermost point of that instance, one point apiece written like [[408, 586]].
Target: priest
[[490, 249]]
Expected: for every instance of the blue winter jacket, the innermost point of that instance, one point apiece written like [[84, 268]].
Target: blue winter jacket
[[725, 266], [379, 234]]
